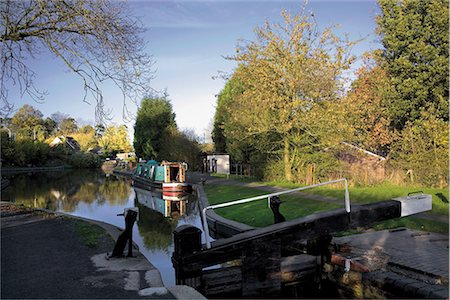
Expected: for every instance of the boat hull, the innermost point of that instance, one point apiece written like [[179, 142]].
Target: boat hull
[[164, 186], [175, 187]]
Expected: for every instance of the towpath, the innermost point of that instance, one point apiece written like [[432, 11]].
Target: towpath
[[53, 256]]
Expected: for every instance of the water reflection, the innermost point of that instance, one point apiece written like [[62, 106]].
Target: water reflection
[[169, 204], [65, 190], [160, 213], [93, 195]]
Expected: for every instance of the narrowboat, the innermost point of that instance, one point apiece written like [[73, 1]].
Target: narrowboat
[[169, 206], [167, 176]]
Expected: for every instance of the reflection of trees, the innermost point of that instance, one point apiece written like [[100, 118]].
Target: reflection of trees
[[115, 191], [155, 229], [63, 190]]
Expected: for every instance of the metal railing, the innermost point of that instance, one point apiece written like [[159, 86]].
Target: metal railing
[[268, 196]]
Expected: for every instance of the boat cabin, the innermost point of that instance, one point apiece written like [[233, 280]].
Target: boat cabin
[[164, 172]]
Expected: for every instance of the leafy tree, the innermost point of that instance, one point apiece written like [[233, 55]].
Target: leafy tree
[[87, 129], [232, 89], [422, 150], [366, 108], [68, 126], [99, 130], [415, 37], [27, 123], [290, 74], [115, 139], [97, 40], [86, 138], [180, 146], [154, 120], [50, 126], [58, 117]]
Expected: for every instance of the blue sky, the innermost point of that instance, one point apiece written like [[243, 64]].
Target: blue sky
[[188, 40]]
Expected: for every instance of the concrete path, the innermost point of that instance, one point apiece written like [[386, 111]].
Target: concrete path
[[45, 256]]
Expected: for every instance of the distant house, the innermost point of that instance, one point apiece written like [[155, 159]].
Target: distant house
[[126, 155], [69, 142]]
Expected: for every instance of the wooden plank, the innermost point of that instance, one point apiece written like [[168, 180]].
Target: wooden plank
[[228, 281], [261, 266], [222, 281], [308, 227]]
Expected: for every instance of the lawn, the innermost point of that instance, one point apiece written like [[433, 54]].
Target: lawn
[[258, 214], [362, 195]]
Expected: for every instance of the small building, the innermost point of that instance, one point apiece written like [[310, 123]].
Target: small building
[[68, 141], [218, 163], [125, 156]]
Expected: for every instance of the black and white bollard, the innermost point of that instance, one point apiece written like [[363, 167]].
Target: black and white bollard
[[131, 215]]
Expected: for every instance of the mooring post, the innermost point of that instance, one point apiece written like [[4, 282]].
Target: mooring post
[[131, 215], [187, 240]]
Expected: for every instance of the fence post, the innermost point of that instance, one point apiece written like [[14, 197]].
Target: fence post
[[187, 240]]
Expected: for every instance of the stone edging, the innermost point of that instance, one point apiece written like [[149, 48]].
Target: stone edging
[[17, 170]]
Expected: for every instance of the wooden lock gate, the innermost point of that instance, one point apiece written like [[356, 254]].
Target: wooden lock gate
[[262, 261]]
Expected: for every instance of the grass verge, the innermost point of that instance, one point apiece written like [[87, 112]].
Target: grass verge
[[258, 214], [90, 234]]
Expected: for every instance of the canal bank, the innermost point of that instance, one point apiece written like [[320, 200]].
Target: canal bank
[[47, 255]]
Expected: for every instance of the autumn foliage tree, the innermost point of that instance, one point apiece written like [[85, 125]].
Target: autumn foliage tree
[[115, 139], [290, 74], [367, 110]]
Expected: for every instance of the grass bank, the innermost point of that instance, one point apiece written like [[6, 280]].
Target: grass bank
[[90, 234], [257, 214]]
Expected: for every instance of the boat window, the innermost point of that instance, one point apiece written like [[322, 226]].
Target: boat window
[[152, 171], [174, 173]]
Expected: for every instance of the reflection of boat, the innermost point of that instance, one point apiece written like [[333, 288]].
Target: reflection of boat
[[169, 204], [168, 176]]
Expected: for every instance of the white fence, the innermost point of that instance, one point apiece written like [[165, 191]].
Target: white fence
[[268, 196]]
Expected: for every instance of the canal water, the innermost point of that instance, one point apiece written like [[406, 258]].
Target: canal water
[[98, 196]]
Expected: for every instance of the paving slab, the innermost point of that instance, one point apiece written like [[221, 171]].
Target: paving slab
[[421, 251], [409, 262]]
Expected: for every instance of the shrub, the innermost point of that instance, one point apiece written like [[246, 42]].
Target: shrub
[[84, 160]]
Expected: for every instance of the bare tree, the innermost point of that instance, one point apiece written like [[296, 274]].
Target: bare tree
[[97, 39]]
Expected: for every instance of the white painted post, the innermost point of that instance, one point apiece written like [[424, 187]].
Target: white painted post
[[347, 197], [205, 227]]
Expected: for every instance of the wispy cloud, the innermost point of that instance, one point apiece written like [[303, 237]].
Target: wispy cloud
[[176, 14]]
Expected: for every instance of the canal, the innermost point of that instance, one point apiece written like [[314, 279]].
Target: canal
[[95, 195]]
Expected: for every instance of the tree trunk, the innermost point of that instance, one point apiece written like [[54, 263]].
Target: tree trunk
[[287, 160]]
